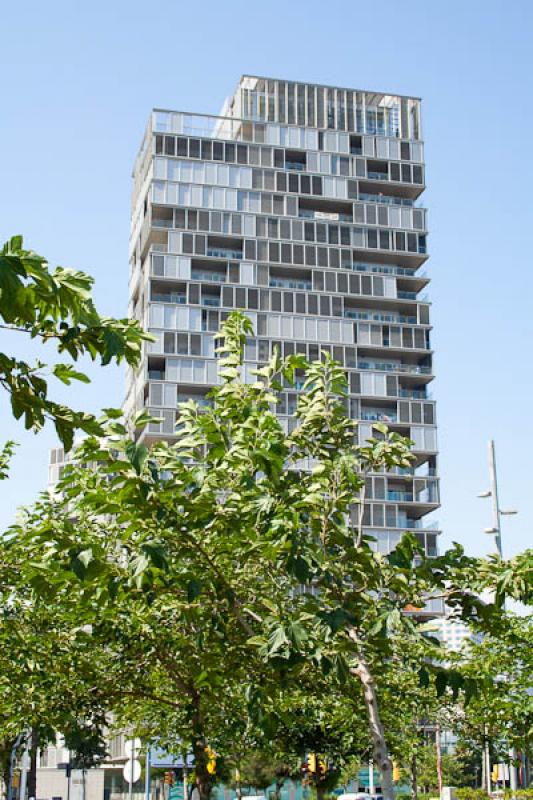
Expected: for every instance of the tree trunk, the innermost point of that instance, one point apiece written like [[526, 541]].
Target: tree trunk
[[439, 759], [381, 751], [414, 778], [279, 787], [320, 792], [203, 780], [32, 772]]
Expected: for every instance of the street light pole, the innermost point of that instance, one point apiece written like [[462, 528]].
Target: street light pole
[[496, 529], [494, 497]]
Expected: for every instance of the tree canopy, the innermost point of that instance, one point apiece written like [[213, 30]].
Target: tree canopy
[[55, 306]]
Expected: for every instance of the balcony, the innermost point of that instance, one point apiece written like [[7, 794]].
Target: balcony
[[377, 316], [168, 297], [224, 252], [213, 277], [384, 269], [278, 283], [297, 165], [384, 366], [375, 415], [414, 394], [400, 497], [211, 301], [389, 200], [378, 176]]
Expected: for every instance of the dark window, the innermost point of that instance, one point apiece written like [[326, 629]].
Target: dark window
[[333, 234], [333, 257], [240, 298], [309, 231], [300, 303], [405, 151], [321, 230], [229, 154], [207, 149], [170, 145], [192, 220], [293, 183], [194, 148], [305, 184], [342, 282], [242, 154], [352, 190], [227, 296], [194, 293], [312, 303], [183, 343], [400, 240], [406, 173], [322, 256], [158, 145], [183, 147], [218, 151], [372, 238], [187, 242], [288, 302], [253, 298], [281, 182], [169, 343], [279, 158], [286, 255], [316, 185], [196, 345], [275, 300], [298, 254], [325, 309], [384, 241], [273, 248], [179, 217], [310, 256], [250, 249], [345, 235], [418, 174], [394, 171]]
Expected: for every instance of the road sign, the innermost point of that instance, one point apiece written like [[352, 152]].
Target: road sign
[[132, 747], [132, 771]]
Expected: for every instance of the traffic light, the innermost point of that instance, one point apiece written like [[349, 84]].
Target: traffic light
[[211, 761], [170, 778], [311, 763], [395, 772]]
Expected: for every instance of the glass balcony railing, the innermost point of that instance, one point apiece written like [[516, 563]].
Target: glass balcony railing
[[414, 394], [385, 269], [169, 297], [295, 165], [385, 199], [162, 223], [378, 176], [213, 277], [376, 316], [400, 497], [224, 252], [307, 213], [379, 416], [288, 284], [211, 301], [384, 366]]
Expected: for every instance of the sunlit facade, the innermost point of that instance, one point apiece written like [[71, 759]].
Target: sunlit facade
[[300, 205]]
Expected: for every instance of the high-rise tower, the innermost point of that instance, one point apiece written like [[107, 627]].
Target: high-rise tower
[[300, 206]]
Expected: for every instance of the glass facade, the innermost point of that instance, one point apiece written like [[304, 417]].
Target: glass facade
[[299, 206]]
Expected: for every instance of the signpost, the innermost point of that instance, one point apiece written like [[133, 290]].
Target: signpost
[[132, 767]]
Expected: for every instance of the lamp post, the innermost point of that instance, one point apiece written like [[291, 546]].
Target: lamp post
[[496, 531]]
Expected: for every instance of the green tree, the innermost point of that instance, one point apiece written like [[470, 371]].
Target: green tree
[[55, 306], [237, 555]]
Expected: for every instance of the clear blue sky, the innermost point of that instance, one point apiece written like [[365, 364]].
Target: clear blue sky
[[77, 82]]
